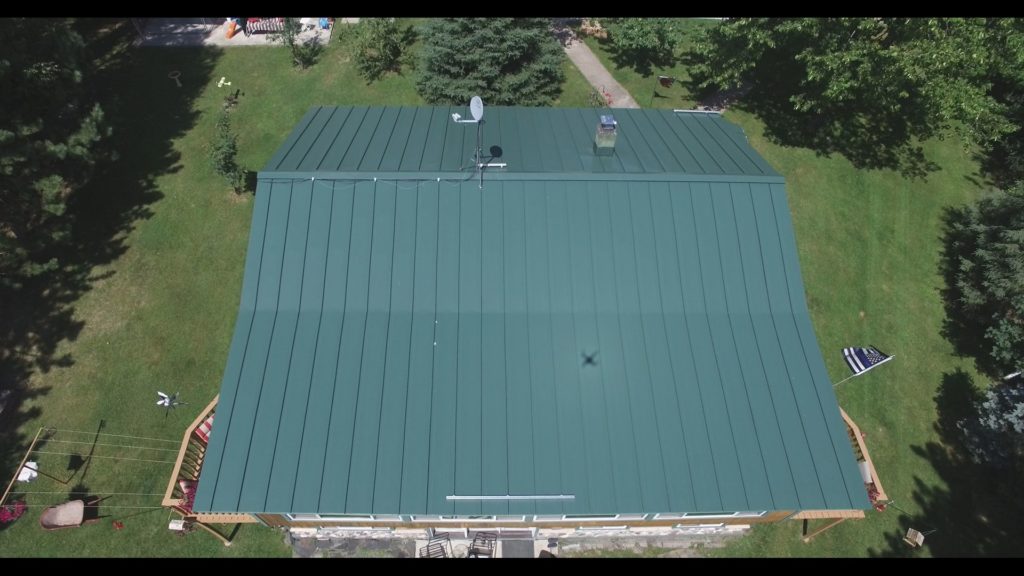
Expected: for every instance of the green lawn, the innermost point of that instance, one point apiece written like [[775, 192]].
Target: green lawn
[[869, 245]]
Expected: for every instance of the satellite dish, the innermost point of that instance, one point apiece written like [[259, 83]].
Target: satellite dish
[[476, 108]]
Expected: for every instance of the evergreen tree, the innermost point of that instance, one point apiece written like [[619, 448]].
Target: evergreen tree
[[984, 262], [49, 135], [995, 435], [505, 61]]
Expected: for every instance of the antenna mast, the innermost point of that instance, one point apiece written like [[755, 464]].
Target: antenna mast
[[476, 109]]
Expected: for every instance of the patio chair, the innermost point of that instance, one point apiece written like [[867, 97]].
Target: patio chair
[[483, 545], [914, 538], [439, 546]]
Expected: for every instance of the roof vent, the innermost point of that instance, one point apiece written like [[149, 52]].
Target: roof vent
[[607, 130]]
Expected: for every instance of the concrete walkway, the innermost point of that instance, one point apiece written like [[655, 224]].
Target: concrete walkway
[[167, 32], [597, 75]]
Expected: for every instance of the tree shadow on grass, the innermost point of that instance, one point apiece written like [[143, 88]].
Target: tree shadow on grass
[[978, 511], [869, 139], [963, 328], [147, 112], [868, 134]]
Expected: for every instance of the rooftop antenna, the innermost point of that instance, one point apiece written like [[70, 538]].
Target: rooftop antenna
[[476, 109]]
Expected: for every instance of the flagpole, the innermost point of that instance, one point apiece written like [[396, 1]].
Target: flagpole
[[863, 371]]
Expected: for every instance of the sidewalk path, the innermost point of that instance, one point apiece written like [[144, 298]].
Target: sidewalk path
[[597, 75]]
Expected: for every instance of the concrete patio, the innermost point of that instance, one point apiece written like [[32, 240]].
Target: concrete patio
[[170, 32]]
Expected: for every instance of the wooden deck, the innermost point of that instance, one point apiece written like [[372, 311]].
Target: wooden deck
[[823, 514], [861, 451], [188, 467]]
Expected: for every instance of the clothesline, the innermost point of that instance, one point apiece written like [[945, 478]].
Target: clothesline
[[106, 457], [108, 434], [113, 445]]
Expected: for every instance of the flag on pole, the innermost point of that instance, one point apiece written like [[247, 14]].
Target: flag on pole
[[860, 360]]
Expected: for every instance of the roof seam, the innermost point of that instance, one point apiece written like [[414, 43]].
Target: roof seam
[[408, 364], [576, 344], [362, 350], [551, 331], [387, 346], [760, 357], [714, 349], [604, 381], [789, 381], [673, 127], [700, 389], [529, 348], [291, 354], [499, 176], [273, 327], [337, 356], [351, 139], [671, 363], [337, 133], [245, 350], [309, 388], [746, 388], [743, 149], [661, 128], [622, 349], [643, 341], [433, 357], [732, 336]]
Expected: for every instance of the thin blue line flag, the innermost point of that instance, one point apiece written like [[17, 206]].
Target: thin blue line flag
[[860, 360]]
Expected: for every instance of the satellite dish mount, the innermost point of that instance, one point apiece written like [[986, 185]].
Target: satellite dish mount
[[476, 109]]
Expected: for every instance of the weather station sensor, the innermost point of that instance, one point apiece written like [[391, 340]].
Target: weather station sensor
[[476, 110]]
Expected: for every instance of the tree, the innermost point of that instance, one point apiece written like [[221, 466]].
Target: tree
[[509, 61], [995, 435], [50, 134], [643, 42], [225, 152], [883, 82], [377, 46], [984, 264], [304, 53]]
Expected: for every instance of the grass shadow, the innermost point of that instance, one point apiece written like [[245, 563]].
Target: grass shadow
[[977, 512], [147, 112]]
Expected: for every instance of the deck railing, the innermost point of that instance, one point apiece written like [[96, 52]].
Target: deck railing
[[186, 470]]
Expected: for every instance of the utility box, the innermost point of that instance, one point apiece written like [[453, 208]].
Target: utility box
[[607, 131]]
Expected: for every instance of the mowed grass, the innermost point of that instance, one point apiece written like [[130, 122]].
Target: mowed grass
[[161, 314], [869, 243]]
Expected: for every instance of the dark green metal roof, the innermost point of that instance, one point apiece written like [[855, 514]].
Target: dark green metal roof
[[404, 336], [547, 140]]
